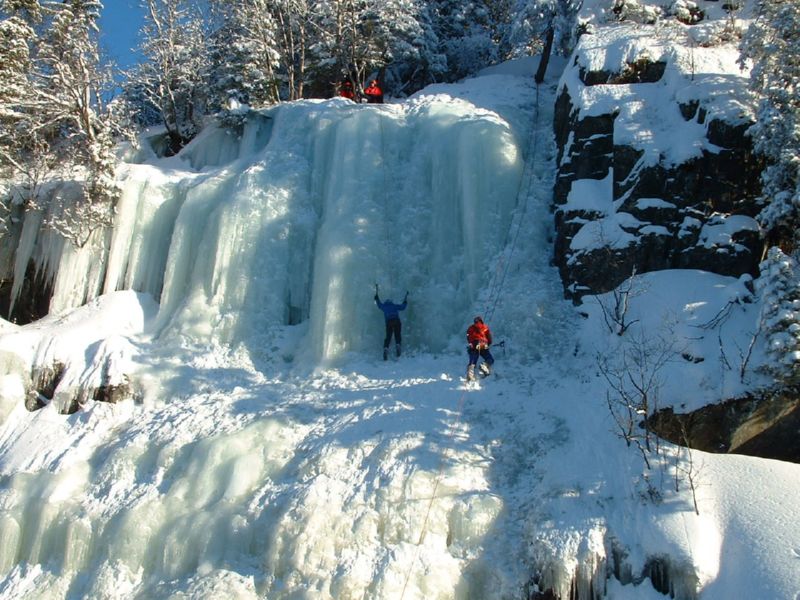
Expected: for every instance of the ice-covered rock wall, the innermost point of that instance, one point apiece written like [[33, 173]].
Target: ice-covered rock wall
[[293, 219]]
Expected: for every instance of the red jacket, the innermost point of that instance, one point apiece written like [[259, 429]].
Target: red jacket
[[347, 92], [374, 94], [479, 333]]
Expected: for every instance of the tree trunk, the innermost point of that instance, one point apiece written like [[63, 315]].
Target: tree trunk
[[548, 48]]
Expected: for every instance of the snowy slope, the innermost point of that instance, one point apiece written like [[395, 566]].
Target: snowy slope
[[264, 458]]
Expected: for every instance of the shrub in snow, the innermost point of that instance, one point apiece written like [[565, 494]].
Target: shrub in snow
[[686, 12], [634, 10], [779, 285], [633, 373]]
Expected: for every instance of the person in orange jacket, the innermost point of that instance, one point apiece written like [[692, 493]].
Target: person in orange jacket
[[374, 93], [479, 338], [346, 90]]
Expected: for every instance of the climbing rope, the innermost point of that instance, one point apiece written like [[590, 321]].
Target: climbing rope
[[438, 480], [495, 289], [385, 169], [523, 192]]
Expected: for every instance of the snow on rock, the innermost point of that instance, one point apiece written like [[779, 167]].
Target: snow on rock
[[75, 352]]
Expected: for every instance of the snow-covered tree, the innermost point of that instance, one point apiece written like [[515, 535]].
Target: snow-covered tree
[[15, 122], [57, 113], [136, 105], [470, 33], [244, 56], [534, 20], [342, 46], [15, 67], [635, 11], [779, 285], [357, 39], [174, 74], [294, 26], [773, 45], [15, 64], [404, 36]]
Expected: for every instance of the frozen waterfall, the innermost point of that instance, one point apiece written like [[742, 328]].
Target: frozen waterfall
[[294, 219]]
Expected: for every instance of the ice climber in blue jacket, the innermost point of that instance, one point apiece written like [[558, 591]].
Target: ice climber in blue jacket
[[391, 313]]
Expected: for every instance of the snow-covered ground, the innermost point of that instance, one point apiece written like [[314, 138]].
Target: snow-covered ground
[[266, 459]]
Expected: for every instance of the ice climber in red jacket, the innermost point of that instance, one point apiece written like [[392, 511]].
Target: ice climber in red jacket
[[479, 338]]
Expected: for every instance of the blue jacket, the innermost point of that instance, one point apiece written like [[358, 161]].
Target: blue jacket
[[389, 308]]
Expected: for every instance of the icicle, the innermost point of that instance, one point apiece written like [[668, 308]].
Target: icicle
[[575, 566], [25, 248]]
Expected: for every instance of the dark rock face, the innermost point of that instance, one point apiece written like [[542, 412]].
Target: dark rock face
[[767, 426], [44, 381], [640, 71], [34, 298], [113, 393], [44, 384], [694, 215]]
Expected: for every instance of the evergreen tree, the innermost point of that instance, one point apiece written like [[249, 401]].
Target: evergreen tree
[[15, 121], [469, 33], [535, 20], [360, 39], [409, 46], [15, 66], [136, 104], [244, 56], [773, 46], [342, 45], [779, 285]]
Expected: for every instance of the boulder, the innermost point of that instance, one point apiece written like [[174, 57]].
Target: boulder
[[765, 425]]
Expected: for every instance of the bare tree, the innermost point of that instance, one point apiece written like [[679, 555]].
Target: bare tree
[[615, 308], [686, 469], [293, 18], [172, 77], [633, 375]]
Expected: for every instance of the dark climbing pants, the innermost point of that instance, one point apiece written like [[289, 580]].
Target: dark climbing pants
[[393, 327], [483, 353]]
